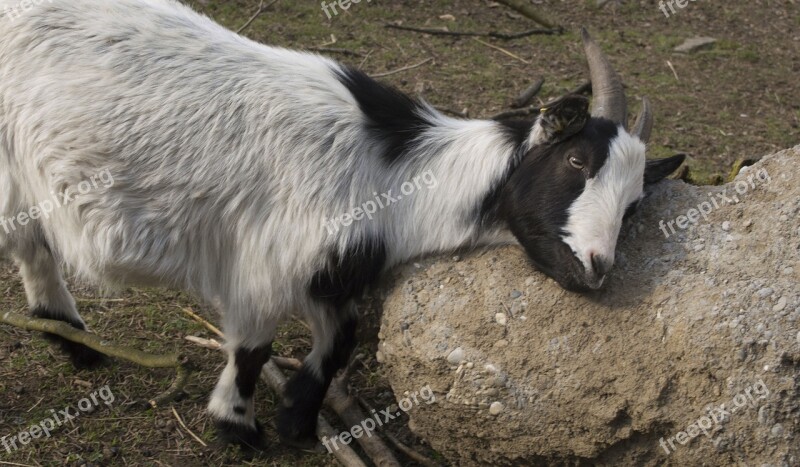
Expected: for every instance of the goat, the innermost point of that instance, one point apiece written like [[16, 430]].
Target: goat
[[227, 157]]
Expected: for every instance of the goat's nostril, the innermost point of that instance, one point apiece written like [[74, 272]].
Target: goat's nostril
[[600, 265]]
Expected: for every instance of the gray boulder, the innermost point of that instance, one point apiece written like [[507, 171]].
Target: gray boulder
[[688, 356]]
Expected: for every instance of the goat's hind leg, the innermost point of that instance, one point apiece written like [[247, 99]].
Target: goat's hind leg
[[49, 298], [334, 333]]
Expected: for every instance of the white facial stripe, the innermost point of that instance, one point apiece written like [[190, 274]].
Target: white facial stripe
[[595, 217]]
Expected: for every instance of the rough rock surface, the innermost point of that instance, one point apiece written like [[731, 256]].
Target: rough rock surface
[[699, 328]]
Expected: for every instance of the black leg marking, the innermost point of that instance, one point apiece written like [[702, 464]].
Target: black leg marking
[[82, 357], [303, 394], [248, 368]]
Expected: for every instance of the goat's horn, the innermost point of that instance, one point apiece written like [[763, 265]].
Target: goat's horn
[[644, 121], [608, 96]]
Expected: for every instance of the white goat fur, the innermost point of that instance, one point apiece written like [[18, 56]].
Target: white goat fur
[[226, 155]]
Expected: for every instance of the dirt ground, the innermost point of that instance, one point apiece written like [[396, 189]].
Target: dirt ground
[[740, 98]]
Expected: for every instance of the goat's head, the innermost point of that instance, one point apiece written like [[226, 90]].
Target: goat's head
[[582, 175]]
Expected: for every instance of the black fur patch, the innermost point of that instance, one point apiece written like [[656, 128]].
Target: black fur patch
[[517, 132], [536, 199], [82, 357], [238, 409], [347, 276], [245, 436], [297, 415], [248, 368], [394, 118]]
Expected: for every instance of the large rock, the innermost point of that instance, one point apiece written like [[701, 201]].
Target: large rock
[[698, 330]]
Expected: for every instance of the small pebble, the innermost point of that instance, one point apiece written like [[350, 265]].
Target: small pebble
[[456, 259], [498, 407], [516, 294], [501, 319], [501, 343], [763, 415], [765, 292], [777, 430], [456, 356], [780, 305], [726, 226], [783, 218], [788, 270], [379, 356]]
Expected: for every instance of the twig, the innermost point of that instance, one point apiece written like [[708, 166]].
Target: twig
[[528, 94], [405, 68], [464, 114], [515, 113], [673, 71], [527, 10], [495, 34], [180, 421], [510, 54], [62, 329], [202, 321], [336, 50], [207, 343], [410, 453], [584, 88], [261, 9]]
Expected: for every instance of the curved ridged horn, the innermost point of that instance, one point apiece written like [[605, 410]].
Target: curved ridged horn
[[608, 99], [644, 121]]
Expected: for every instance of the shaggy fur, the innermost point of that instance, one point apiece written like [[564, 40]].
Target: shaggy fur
[[226, 158]]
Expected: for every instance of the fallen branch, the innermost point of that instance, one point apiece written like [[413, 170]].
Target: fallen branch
[[525, 9], [510, 54], [399, 70], [495, 34], [514, 113], [528, 94], [261, 9], [62, 329], [335, 50]]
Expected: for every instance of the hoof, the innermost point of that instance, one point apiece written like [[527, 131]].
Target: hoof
[[306, 444], [249, 438], [297, 427], [82, 357]]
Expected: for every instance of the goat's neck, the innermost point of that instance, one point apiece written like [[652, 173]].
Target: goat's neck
[[471, 161]]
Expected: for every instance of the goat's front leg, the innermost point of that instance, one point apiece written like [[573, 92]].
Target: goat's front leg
[[232, 405], [334, 334]]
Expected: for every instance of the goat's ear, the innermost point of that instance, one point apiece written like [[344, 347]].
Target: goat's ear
[[656, 170], [559, 120]]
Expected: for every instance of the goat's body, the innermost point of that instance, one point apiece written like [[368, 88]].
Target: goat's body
[[226, 156]]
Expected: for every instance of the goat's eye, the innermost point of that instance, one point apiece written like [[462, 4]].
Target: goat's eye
[[576, 163]]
